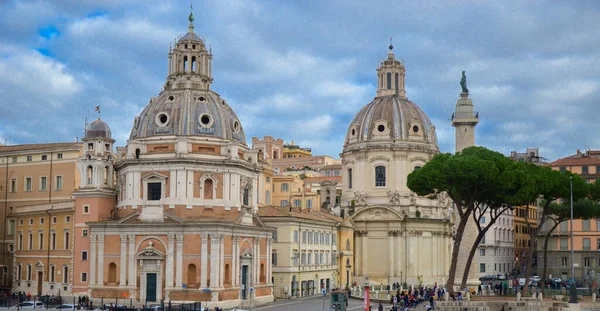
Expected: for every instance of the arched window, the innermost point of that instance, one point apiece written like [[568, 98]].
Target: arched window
[[348, 262], [112, 273], [396, 82], [262, 273], [185, 64], [208, 189], [380, 176], [268, 197], [106, 174], [389, 80], [191, 275], [246, 197], [227, 280], [194, 64], [90, 175], [303, 236]]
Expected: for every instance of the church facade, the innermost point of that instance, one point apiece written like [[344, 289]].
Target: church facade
[[179, 222], [399, 236]]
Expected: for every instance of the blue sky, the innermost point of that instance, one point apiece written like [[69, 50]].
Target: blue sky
[[300, 70]]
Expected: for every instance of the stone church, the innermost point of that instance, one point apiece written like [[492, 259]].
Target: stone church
[[400, 236], [181, 223]]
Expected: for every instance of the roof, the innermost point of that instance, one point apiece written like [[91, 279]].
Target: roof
[[40, 147], [307, 214], [582, 160]]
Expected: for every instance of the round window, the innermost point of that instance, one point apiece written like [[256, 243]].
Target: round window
[[201, 98], [171, 98], [205, 120], [162, 119], [353, 132], [415, 129], [381, 128]]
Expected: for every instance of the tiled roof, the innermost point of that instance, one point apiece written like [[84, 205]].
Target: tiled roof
[[40, 147], [309, 214], [583, 160]]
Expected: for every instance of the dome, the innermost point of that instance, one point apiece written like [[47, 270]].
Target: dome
[[188, 112], [98, 129], [391, 118]]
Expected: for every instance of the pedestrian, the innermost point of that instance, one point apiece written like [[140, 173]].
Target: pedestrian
[[380, 308]]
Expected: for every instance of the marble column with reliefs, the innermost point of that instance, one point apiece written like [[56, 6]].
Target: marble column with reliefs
[[131, 282], [170, 254], [101, 259], [93, 259], [222, 261], [215, 242], [123, 261], [179, 263], [204, 261]]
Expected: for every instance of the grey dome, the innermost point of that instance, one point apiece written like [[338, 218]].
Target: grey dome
[[98, 129], [188, 113], [391, 118]]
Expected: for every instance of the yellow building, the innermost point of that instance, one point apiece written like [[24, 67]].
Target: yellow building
[[38, 181], [295, 151], [305, 252], [291, 190], [522, 216]]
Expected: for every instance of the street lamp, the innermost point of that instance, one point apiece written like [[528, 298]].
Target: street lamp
[[573, 298]]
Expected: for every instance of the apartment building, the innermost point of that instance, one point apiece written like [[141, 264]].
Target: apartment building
[[294, 191], [496, 251]]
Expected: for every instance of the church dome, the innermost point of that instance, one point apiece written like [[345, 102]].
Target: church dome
[[189, 113], [391, 118], [98, 129]]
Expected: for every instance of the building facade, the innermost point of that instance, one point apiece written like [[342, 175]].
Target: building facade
[[38, 181], [399, 236], [306, 256], [496, 251]]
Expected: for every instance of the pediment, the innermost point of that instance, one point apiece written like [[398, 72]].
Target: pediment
[[150, 253]]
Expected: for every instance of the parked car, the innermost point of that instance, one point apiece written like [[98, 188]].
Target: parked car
[[556, 280], [535, 278], [521, 281], [501, 276], [489, 277], [570, 282], [67, 306], [28, 305]]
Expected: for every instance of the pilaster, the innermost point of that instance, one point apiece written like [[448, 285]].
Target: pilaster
[[93, 259], [179, 264], [123, 263], [214, 260], [170, 254], [132, 280], [101, 259], [204, 261]]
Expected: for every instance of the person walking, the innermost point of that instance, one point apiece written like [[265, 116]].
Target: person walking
[[380, 308]]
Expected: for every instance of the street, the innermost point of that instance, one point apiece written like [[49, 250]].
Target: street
[[312, 304]]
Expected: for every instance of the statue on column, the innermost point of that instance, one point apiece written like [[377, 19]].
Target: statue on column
[[463, 83]]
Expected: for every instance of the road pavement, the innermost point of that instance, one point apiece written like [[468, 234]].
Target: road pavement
[[314, 303]]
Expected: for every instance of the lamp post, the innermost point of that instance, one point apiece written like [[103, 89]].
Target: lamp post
[[573, 298]]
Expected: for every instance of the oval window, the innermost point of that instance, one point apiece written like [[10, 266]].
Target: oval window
[[236, 126], [205, 120], [162, 119], [201, 98], [171, 98], [415, 129], [353, 132], [381, 128]]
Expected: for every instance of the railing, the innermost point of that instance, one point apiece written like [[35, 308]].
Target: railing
[[465, 115]]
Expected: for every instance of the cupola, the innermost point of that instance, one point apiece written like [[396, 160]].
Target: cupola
[[390, 75]]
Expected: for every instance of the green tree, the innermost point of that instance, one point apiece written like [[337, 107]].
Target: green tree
[[470, 178]]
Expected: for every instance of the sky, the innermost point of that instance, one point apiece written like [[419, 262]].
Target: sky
[[300, 70]]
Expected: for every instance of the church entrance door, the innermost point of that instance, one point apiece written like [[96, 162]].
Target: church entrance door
[[40, 276], [244, 282], [151, 287]]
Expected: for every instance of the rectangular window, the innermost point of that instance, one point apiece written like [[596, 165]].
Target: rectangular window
[[84, 232], [586, 224], [481, 267], [83, 277], [59, 182], [44, 157], [13, 185], [304, 259], [27, 183], [59, 156], [564, 227], [586, 244], [380, 176], [585, 170], [482, 220], [41, 236], [562, 169], [297, 203], [29, 158], [349, 178], [41, 220], [28, 272], [564, 244], [482, 252], [31, 221], [43, 183], [65, 274], [274, 258], [284, 187], [11, 227], [86, 209], [309, 203], [84, 255], [296, 257], [67, 219], [586, 261], [20, 241], [29, 240], [67, 239], [20, 272], [14, 159], [154, 191], [54, 220], [295, 235], [90, 146], [53, 240], [52, 273], [275, 236], [284, 202]]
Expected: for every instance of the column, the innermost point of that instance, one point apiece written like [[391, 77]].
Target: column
[[222, 261], [101, 259], [123, 263], [204, 261], [234, 259], [257, 278], [398, 252], [238, 267], [269, 259], [170, 254], [93, 259], [132, 253], [357, 253], [214, 260], [391, 250], [179, 263], [365, 255]]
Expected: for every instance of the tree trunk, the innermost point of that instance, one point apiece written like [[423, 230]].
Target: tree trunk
[[460, 229], [529, 262], [463, 283], [545, 269]]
